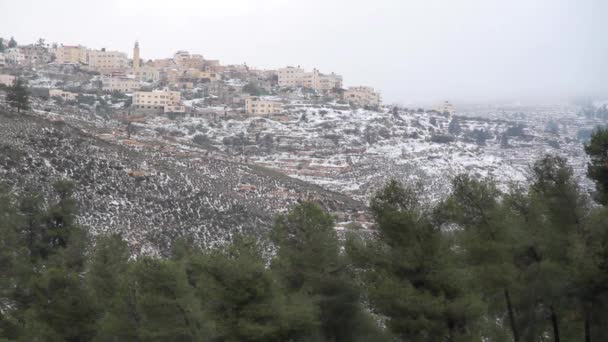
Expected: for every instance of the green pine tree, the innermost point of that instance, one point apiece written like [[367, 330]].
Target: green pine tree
[[552, 219], [61, 308], [109, 278], [17, 95], [58, 304], [597, 169], [166, 306], [487, 238], [309, 261], [590, 276], [243, 297], [15, 266], [411, 271]]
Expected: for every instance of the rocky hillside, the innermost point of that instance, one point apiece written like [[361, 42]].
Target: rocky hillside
[[153, 193]]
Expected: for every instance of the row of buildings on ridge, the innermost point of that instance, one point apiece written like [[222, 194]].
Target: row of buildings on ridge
[[166, 78]]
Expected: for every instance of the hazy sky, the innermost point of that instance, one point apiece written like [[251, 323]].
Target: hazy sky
[[412, 50]]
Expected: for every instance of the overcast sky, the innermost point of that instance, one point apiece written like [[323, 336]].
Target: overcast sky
[[411, 50]]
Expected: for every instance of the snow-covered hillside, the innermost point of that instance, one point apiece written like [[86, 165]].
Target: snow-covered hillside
[[356, 151], [209, 177], [152, 192]]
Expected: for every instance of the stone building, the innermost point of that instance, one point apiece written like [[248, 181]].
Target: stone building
[[262, 106], [107, 61], [121, 84], [156, 101], [362, 96], [297, 77], [70, 54]]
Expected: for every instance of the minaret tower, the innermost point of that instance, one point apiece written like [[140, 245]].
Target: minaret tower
[[136, 56]]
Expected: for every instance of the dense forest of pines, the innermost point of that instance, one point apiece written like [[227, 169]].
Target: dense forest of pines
[[481, 265]]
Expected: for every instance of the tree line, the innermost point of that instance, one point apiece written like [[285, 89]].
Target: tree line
[[527, 264]]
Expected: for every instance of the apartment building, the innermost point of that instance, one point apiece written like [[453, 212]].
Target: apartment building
[[290, 76], [70, 54], [327, 82], [156, 101], [262, 106], [121, 84], [298, 77], [362, 96], [107, 61], [65, 95], [7, 80]]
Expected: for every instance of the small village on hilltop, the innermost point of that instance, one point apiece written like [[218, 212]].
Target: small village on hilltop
[[184, 84]]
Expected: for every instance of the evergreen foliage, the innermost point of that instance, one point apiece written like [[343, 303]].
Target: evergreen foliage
[[529, 264], [597, 170], [12, 43], [254, 89], [412, 275]]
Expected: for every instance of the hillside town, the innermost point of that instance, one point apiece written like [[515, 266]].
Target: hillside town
[[186, 129], [185, 84]]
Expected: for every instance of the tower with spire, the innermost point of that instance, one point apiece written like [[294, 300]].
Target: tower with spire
[[136, 56]]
